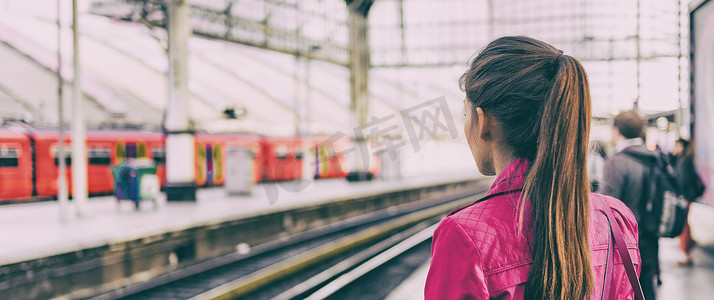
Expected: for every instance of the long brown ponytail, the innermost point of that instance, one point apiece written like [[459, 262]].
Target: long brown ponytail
[[542, 101]]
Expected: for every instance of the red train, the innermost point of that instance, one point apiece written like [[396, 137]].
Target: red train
[[29, 159]]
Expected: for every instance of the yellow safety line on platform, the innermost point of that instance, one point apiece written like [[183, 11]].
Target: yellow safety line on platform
[[263, 277]]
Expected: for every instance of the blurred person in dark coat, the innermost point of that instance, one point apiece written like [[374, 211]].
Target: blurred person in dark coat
[[625, 178], [691, 184]]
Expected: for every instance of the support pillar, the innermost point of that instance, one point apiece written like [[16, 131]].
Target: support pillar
[[62, 193], [308, 171], [180, 146], [359, 93], [79, 132]]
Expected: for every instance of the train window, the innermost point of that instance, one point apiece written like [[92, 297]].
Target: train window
[[159, 155], [67, 161], [67, 157], [9, 157], [299, 153], [99, 156], [281, 152]]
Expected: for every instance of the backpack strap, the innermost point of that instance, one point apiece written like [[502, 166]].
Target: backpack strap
[[484, 199], [609, 266], [649, 181], [616, 234], [660, 162]]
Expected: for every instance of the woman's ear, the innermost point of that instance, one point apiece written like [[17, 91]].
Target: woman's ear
[[484, 125]]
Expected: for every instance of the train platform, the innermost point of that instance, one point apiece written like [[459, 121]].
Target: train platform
[[43, 232], [678, 282], [131, 245]]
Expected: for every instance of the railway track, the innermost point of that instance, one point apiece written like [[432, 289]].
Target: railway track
[[331, 261], [372, 273]]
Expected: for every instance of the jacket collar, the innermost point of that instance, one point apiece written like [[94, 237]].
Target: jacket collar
[[511, 178], [627, 143]]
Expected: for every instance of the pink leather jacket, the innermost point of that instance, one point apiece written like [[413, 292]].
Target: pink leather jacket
[[477, 252]]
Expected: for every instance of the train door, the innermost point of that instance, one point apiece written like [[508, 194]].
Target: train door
[[15, 171], [201, 177], [281, 163], [100, 179], [209, 165], [158, 154], [323, 163], [131, 150], [124, 150], [56, 156], [218, 164]]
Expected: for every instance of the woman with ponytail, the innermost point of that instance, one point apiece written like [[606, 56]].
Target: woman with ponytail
[[537, 234]]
